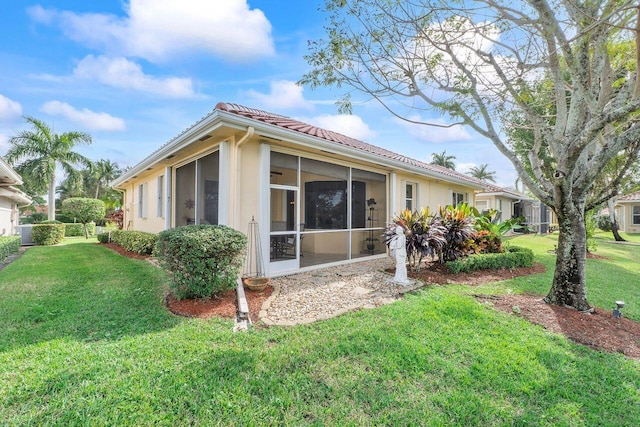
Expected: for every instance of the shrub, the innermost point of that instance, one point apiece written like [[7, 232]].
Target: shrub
[[458, 224], [205, 259], [67, 219], [48, 233], [603, 222], [514, 257], [84, 210], [485, 242], [9, 245], [424, 234], [77, 229], [103, 237], [134, 241]]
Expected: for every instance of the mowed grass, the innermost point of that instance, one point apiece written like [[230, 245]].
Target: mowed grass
[[89, 343]]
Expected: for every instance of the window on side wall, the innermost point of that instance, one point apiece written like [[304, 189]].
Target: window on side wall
[[457, 198], [142, 205], [410, 196], [160, 197], [636, 215]]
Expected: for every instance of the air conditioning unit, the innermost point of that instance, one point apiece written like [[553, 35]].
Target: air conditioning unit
[[26, 233]]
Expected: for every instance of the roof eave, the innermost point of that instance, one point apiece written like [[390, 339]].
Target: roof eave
[[12, 175], [219, 118]]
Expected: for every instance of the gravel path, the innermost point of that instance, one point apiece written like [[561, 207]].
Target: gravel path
[[329, 292]]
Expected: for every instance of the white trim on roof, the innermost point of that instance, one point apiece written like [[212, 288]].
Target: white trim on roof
[[220, 118], [12, 175]]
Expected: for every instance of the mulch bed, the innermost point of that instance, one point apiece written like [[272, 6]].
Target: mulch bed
[[222, 306], [598, 330]]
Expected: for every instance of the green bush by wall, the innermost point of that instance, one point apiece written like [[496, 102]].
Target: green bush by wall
[[134, 241], [514, 257], [205, 259], [48, 233], [9, 245]]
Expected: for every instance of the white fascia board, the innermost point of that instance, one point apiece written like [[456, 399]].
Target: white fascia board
[[309, 141], [505, 195], [219, 118], [15, 195], [192, 134], [6, 169]]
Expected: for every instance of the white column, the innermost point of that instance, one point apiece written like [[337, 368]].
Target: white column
[[223, 184], [264, 209], [168, 212]]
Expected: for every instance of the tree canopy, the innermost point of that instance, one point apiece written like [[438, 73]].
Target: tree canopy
[[553, 63], [37, 152], [444, 160], [481, 172]]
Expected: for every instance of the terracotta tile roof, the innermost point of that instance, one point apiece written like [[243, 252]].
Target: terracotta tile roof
[[491, 188], [630, 197], [335, 137]]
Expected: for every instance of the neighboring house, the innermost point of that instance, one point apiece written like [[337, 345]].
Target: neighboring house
[[628, 212], [10, 199], [512, 204], [319, 197]]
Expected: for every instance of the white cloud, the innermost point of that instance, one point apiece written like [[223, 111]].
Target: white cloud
[[346, 124], [157, 30], [85, 117], [439, 133], [284, 95], [4, 143], [465, 167], [122, 73], [9, 109]]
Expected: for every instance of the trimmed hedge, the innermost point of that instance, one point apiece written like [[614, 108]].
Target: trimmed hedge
[[103, 237], [134, 241], [48, 233], [514, 257], [9, 245], [205, 259], [76, 229]]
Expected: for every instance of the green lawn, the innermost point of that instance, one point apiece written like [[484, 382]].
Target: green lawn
[[85, 340]]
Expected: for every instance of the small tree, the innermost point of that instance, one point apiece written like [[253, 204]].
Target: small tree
[[84, 210]]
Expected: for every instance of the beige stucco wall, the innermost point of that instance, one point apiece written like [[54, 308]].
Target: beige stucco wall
[[245, 184], [430, 193], [7, 213], [626, 219]]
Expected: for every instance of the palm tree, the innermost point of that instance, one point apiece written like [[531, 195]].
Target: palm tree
[[442, 159], [104, 171], [481, 172], [38, 151]]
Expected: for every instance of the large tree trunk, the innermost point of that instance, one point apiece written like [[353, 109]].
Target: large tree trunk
[[569, 281], [614, 221], [52, 200]]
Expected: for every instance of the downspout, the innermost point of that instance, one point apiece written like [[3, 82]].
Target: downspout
[[235, 220]]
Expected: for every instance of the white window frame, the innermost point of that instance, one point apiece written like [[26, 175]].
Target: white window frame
[[454, 198], [414, 194], [635, 217], [160, 198], [142, 201]]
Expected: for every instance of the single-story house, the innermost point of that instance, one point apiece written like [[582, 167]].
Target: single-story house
[[11, 199], [511, 204], [319, 197], [627, 209]]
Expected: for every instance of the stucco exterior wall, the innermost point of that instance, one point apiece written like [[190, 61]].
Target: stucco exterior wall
[[628, 226], [7, 208]]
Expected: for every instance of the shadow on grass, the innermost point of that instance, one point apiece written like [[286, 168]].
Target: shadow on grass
[[83, 291]]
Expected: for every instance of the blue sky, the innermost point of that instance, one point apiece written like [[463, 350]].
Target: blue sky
[[135, 73]]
